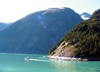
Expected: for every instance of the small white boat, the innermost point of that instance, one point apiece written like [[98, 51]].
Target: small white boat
[[27, 58]]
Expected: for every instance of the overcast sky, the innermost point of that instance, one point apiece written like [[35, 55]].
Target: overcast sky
[[13, 10]]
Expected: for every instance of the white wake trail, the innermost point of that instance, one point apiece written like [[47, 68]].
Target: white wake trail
[[36, 60]]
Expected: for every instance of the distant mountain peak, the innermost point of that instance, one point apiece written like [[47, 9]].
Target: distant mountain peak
[[85, 15], [53, 10], [56, 8], [3, 25]]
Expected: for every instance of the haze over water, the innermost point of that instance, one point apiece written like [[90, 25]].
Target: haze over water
[[39, 63]]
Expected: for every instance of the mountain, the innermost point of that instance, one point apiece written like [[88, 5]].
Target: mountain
[[85, 15], [83, 40], [37, 32], [3, 26]]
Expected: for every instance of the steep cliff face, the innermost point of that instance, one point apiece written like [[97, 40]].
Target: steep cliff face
[[83, 40], [63, 50], [37, 32]]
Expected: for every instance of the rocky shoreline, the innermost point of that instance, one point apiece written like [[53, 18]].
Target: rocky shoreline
[[72, 58]]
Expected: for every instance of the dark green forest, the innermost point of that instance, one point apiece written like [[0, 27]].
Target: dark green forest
[[85, 37]]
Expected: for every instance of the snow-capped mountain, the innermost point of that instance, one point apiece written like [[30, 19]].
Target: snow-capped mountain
[[85, 15]]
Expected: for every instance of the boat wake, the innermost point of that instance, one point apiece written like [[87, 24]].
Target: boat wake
[[36, 60]]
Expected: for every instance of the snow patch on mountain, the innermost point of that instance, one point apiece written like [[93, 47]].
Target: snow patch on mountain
[[85, 15]]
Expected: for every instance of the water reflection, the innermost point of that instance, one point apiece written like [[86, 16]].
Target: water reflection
[[74, 66], [63, 65]]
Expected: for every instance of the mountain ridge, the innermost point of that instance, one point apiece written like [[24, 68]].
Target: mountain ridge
[[37, 32]]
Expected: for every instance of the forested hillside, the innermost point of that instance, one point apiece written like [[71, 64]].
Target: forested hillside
[[84, 37]]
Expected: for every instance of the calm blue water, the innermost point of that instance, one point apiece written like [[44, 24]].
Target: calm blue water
[[39, 63]]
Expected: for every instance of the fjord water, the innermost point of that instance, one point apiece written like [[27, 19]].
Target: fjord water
[[39, 63]]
